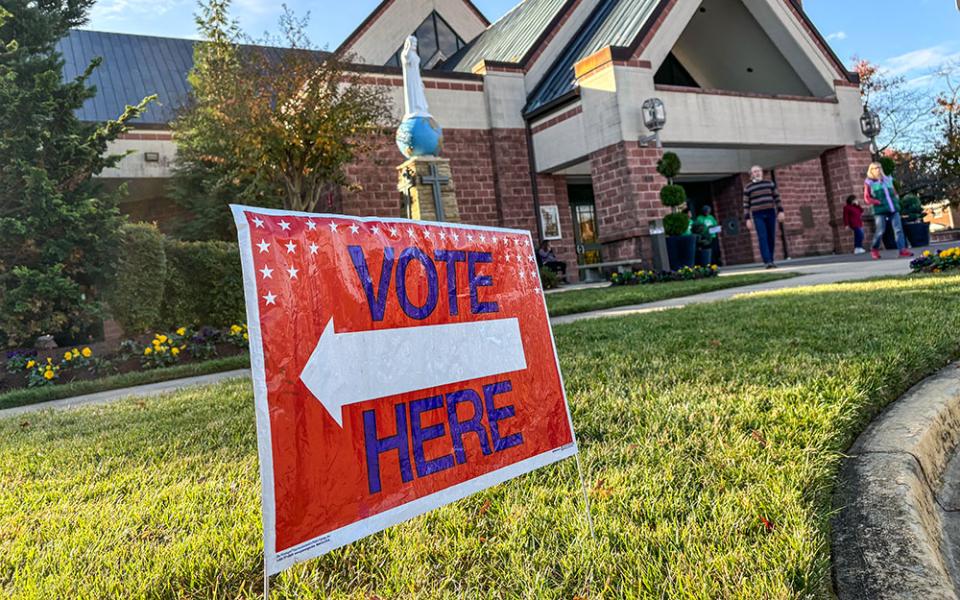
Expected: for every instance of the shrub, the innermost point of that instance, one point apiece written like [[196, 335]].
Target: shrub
[[204, 285], [911, 209], [669, 165], [139, 281], [676, 223], [549, 279], [673, 195], [647, 277]]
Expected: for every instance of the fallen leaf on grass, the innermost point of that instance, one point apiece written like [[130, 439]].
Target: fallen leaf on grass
[[756, 435], [601, 490], [766, 524], [24, 424]]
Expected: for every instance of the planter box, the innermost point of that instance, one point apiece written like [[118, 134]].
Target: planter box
[[682, 250], [918, 234]]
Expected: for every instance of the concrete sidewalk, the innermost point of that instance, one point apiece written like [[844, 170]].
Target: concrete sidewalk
[[812, 271], [140, 391]]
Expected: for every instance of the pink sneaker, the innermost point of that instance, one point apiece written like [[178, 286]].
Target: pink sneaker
[[905, 253], [875, 254]]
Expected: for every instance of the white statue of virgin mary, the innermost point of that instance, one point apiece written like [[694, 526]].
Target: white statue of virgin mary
[[414, 97]]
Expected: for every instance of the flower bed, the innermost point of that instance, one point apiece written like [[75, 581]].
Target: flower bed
[[937, 262], [185, 345], [646, 277]]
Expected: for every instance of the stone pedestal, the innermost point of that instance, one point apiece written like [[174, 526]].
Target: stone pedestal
[[426, 183]]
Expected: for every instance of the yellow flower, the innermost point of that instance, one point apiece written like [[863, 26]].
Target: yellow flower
[[49, 360], [67, 356], [147, 351], [182, 331], [245, 336], [926, 253], [174, 351], [76, 353], [162, 349], [155, 342], [31, 364], [87, 353], [162, 338], [48, 375], [235, 329]]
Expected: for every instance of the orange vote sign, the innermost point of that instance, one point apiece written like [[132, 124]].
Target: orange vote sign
[[397, 365]]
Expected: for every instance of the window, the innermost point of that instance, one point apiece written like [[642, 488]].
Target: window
[[436, 42]]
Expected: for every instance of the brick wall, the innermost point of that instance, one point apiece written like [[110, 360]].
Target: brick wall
[[373, 180], [807, 212], [626, 190], [553, 191], [844, 170], [741, 247]]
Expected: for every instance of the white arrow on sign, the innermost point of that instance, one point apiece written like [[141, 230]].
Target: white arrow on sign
[[346, 368]]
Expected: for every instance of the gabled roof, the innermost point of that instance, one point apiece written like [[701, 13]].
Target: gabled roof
[[134, 66], [624, 24], [612, 23], [510, 38]]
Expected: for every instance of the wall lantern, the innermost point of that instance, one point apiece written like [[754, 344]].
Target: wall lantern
[[870, 127], [654, 119]]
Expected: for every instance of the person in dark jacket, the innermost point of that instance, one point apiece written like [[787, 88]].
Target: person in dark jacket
[[762, 210], [853, 218], [548, 259]]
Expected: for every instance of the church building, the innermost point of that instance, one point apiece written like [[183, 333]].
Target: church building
[[543, 123]]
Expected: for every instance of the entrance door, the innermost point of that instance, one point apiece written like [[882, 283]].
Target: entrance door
[[584, 223]]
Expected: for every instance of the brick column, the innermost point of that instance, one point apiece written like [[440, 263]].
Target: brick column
[[626, 189], [844, 170]]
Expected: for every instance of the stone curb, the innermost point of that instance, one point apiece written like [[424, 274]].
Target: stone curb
[[888, 530]]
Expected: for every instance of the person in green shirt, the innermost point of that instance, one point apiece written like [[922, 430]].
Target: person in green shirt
[[707, 220], [709, 225]]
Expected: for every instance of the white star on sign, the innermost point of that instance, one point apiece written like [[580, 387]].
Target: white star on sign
[[314, 248], [426, 233], [443, 234], [523, 274], [483, 238], [264, 246], [354, 229], [410, 231], [508, 257], [493, 239], [267, 272], [455, 236], [311, 225], [333, 227], [375, 230], [291, 247], [393, 231], [270, 298], [258, 222], [293, 272], [469, 237], [284, 225]]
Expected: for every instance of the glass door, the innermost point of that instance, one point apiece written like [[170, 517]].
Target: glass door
[[585, 224]]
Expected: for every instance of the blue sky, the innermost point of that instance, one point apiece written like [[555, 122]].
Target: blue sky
[[909, 37]]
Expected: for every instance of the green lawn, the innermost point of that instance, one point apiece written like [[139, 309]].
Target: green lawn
[[114, 382], [695, 425], [585, 300]]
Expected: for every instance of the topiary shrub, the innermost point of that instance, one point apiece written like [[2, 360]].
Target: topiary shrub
[[911, 208], [676, 223], [669, 165], [673, 195], [140, 276], [204, 284]]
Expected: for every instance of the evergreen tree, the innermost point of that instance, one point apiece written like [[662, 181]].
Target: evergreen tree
[[58, 227]]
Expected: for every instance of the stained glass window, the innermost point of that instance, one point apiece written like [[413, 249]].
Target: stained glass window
[[436, 41]]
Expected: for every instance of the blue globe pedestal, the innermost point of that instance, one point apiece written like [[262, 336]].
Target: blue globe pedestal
[[419, 136]]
